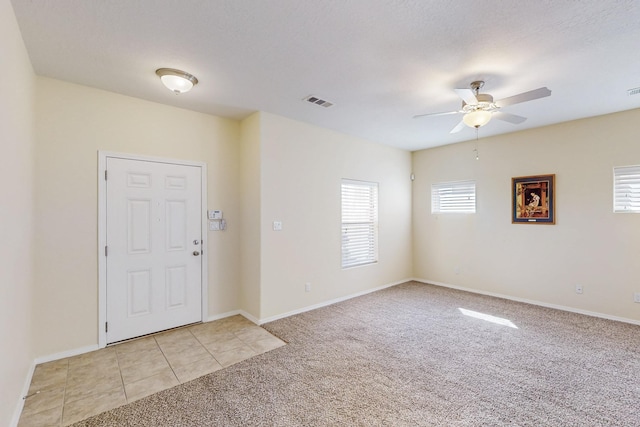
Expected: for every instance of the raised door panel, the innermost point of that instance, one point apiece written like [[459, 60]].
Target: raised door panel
[[138, 226], [176, 225], [138, 293]]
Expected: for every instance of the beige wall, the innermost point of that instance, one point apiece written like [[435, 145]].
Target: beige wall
[[302, 168], [16, 214], [250, 213], [269, 168], [589, 245], [73, 123]]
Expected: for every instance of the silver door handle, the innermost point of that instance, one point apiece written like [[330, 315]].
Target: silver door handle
[[196, 253]]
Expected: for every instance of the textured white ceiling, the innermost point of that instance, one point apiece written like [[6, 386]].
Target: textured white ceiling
[[380, 61]]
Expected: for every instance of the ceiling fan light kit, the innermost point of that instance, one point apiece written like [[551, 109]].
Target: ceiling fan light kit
[[477, 118], [177, 81], [478, 108]]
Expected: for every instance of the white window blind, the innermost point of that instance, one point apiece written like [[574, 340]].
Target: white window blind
[[359, 223], [453, 197], [626, 189]]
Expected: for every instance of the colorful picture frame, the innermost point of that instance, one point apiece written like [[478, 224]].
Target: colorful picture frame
[[533, 199]]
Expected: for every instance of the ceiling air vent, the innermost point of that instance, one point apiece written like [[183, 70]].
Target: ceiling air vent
[[321, 102], [634, 91]]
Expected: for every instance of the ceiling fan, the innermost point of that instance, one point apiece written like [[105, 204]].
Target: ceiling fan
[[478, 108]]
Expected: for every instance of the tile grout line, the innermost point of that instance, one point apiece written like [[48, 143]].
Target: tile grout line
[[26, 410], [124, 390], [90, 394], [64, 395], [234, 333], [207, 350], [167, 360]]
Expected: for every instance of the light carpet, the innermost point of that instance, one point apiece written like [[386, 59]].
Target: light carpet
[[408, 356]]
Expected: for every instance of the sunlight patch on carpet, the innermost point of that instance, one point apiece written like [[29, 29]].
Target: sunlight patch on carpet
[[488, 318]]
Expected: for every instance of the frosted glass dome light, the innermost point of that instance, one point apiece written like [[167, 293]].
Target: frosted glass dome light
[[477, 118], [176, 81]]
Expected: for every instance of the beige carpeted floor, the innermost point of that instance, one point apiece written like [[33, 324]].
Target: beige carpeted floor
[[408, 356]]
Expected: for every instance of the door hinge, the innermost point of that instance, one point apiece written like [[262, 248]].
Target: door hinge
[[106, 250], [106, 326], [105, 174]]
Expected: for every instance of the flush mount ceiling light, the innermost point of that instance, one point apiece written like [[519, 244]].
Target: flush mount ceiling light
[[176, 81]]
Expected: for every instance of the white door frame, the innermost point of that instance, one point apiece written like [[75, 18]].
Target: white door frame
[[102, 233]]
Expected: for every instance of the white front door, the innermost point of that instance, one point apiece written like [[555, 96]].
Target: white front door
[[153, 239]]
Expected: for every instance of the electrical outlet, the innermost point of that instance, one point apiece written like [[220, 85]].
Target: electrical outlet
[[578, 289], [277, 225], [307, 287], [636, 297]]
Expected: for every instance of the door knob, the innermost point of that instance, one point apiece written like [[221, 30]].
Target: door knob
[[196, 253]]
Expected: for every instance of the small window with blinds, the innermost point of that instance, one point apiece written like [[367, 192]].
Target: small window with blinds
[[359, 223], [626, 189], [453, 197]]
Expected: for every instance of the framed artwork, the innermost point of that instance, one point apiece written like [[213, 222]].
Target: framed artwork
[[533, 199]]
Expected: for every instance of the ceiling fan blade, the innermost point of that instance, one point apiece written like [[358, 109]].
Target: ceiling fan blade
[[524, 97], [458, 127], [511, 118], [435, 114], [467, 96]]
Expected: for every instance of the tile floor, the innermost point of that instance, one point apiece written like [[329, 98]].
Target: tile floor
[[69, 390]]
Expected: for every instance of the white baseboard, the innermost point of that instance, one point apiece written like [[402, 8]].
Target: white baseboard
[[528, 301], [223, 315], [326, 303], [25, 390], [82, 350], [233, 313], [250, 317], [38, 360], [90, 348], [75, 352], [68, 353]]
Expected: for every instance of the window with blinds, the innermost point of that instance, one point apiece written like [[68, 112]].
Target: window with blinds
[[453, 197], [626, 189], [359, 223]]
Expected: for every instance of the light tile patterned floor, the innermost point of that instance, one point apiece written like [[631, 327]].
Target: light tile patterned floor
[[65, 391]]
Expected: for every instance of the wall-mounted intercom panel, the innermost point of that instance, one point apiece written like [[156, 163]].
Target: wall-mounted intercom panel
[[215, 214], [216, 222]]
